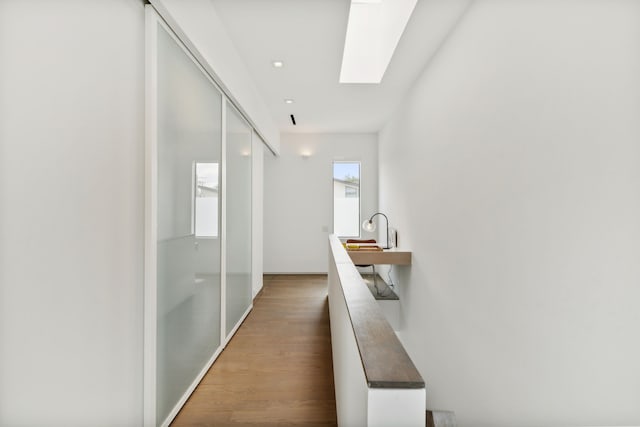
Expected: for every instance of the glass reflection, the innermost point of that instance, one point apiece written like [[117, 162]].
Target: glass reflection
[[188, 271], [206, 200]]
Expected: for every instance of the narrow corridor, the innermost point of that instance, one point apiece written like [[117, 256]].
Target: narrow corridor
[[277, 369]]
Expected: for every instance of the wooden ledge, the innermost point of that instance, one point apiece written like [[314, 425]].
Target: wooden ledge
[[387, 256], [385, 361]]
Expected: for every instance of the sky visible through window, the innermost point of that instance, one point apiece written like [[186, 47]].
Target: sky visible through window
[[345, 170]]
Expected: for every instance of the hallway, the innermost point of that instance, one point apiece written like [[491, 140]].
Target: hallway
[[277, 369]]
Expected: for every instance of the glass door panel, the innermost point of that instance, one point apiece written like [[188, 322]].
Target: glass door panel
[[238, 218], [188, 247]]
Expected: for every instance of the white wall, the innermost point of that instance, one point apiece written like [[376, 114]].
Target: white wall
[[512, 170], [257, 207], [71, 218], [197, 24], [298, 197]]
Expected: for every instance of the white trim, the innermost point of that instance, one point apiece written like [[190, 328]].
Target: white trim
[[223, 223], [237, 326], [150, 220], [333, 199]]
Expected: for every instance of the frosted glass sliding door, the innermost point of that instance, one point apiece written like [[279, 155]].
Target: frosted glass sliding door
[[238, 218], [198, 222], [189, 142]]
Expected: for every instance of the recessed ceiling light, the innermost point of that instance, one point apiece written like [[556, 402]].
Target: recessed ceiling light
[[288, 101], [277, 64]]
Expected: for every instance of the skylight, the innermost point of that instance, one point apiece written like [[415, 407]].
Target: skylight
[[373, 32]]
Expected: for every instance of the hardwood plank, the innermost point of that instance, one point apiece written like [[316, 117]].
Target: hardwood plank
[[277, 369]]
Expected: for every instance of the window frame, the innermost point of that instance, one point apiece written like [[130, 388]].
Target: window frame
[[333, 199]]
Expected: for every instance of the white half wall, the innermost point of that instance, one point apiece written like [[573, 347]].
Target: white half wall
[[71, 212], [512, 171], [298, 197], [197, 24]]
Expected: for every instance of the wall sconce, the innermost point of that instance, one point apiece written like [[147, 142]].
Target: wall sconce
[[369, 225], [305, 154]]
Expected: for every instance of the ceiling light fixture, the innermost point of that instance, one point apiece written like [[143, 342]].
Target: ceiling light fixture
[[373, 32], [288, 101], [277, 64]]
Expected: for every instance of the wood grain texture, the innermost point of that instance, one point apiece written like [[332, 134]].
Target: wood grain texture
[[388, 256], [277, 369], [385, 361]]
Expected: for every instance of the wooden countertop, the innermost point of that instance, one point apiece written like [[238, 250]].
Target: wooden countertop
[[387, 256]]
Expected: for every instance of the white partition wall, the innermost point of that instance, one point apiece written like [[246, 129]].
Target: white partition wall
[[373, 388], [198, 222]]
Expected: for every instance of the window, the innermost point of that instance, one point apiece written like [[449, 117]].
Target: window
[[346, 199]]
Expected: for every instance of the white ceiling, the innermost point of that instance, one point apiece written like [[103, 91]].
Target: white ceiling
[[308, 35]]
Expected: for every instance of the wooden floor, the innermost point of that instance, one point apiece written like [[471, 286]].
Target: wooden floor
[[277, 369]]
